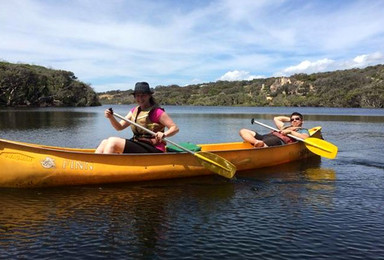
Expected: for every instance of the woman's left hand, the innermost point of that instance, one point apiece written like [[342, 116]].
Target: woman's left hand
[[159, 137]]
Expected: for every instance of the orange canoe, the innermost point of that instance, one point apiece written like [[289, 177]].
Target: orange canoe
[[33, 165]]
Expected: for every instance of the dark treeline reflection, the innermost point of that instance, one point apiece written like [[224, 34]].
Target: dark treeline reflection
[[347, 118], [21, 120], [125, 217]]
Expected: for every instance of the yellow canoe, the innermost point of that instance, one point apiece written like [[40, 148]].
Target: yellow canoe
[[31, 165]]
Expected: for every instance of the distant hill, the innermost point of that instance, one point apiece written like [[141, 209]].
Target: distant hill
[[31, 85], [344, 88]]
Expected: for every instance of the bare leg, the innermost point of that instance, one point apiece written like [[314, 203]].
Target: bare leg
[[114, 145], [249, 136], [100, 148], [111, 145]]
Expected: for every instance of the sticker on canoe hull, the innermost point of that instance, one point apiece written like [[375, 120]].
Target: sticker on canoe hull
[[48, 163]]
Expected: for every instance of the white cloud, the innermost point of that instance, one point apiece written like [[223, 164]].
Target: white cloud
[[323, 65], [309, 67], [175, 42], [368, 59], [238, 75]]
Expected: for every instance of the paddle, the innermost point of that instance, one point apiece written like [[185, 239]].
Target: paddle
[[210, 161], [315, 145]]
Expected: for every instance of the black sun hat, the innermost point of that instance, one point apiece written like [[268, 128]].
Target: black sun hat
[[143, 88]]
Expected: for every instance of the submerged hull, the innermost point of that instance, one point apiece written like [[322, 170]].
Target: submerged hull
[[31, 165]]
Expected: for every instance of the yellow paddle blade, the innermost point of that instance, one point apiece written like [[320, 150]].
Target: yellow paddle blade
[[216, 164], [321, 147]]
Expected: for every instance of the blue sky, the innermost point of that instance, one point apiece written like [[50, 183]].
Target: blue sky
[[111, 44]]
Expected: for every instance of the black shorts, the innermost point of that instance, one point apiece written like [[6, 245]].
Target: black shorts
[[139, 147], [269, 139]]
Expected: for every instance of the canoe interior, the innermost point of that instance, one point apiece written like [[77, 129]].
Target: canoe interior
[[315, 131]]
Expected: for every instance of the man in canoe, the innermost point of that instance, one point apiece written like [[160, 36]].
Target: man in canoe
[[278, 137], [147, 114]]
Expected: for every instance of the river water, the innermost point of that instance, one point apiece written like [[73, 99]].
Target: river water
[[320, 209]]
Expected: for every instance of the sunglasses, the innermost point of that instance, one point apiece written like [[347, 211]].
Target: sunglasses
[[295, 119]]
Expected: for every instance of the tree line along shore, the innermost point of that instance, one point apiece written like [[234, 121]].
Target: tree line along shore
[[31, 85], [24, 85]]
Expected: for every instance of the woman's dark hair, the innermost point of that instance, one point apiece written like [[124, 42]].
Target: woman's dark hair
[[152, 101]]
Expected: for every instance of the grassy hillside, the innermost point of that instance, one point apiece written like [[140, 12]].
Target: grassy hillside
[[346, 88]]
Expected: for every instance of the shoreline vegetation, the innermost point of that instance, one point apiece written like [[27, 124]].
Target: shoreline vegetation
[[24, 85], [353, 88]]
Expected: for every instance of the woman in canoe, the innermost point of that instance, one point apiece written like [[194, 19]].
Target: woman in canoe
[[147, 114], [281, 137]]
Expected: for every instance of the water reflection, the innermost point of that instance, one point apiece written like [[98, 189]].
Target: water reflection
[[285, 171], [136, 215], [320, 174], [279, 212], [42, 119], [269, 117], [298, 181]]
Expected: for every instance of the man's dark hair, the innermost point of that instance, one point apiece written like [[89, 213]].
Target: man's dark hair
[[297, 114]]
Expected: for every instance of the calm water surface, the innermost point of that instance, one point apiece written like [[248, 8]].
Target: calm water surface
[[318, 209]]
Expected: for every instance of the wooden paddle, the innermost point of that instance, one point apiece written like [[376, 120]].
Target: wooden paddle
[[315, 145], [210, 161]]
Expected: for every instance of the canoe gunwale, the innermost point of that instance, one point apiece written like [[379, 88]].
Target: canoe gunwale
[[91, 151]]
